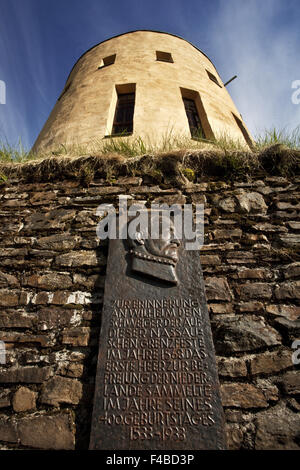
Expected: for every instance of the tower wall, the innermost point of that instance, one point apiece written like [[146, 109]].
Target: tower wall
[[84, 112]]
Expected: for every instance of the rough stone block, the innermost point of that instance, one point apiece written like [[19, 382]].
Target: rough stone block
[[291, 312], [58, 242], [254, 290], [48, 432], [244, 334], [54, 219], [81, 258], [24, 400], [49, 281], [8, 280], [288, 290], [76, 336], [290, 383], [241, 395], [277, 429], [291, 270], [25, 375], [61, 390], [271, 362], [232, 367], [251, 202], [217, 288]]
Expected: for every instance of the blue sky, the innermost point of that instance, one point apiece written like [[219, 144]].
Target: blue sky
[[258, 40]]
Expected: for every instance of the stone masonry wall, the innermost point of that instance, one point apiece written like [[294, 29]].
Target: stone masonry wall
[[52, 272]]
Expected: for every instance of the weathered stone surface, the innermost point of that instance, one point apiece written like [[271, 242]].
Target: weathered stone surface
[[41, 198], [277, 429], [210, 260], [254, 290], [288, 290], [80, 258], [47, 432], [217, 288], [55, 219], [58, 242], [198, 198], [251, 202], [221, 308], [227, 204], [25, 375], [240, 257], [290, 239], [76, 336], [12, 252], [290, 383], [11, 298], [89, 282], [24, 400], [49, 281], [235, 436], [8, 280], [252, 306], [74, 370], [267, 227], [254, 273], [65, 298], [170, 199], [244, 334], [229, 233], [242, 395], [54, 317], [61, 390], [16, 337], [269, 390], [294, 224], [283, 206], [232, 367], [4, 398], [16, 319], [290, 329], [8, 431], [291, 270], [270, 362], [291, 312]]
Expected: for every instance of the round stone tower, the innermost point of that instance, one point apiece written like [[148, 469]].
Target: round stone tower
[[144, 84]]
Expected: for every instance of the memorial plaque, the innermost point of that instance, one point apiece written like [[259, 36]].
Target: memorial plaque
[[157, 383]]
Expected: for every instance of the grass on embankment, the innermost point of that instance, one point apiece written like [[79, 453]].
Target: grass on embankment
[[176, 159]]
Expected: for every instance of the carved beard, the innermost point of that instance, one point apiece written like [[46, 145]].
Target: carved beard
[[154, 266]]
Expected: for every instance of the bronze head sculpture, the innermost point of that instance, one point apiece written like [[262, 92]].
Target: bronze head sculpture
[[156, 257]]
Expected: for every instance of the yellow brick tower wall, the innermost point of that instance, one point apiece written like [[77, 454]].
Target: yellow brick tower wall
[[84, 113]]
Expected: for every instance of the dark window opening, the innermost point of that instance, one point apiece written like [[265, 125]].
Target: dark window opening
[[213, 78], [243, 130], [123, 121], [107, 61], [164, 56], [196, 128]]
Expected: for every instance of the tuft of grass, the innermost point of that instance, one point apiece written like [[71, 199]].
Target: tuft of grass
[[227, 151], [290, 139]]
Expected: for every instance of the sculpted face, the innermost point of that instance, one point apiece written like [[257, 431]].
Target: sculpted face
[[164, 247], [156, 257]]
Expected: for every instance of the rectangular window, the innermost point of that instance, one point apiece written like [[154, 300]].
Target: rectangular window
[[164, 56], [107, 61], [193, 118], [213, 78], [243, 130], [123, 120]]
